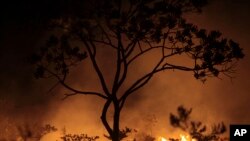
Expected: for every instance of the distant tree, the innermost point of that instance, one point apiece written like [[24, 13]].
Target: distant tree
[[78, 137], [130, 30], [28, 132], [196, 129]]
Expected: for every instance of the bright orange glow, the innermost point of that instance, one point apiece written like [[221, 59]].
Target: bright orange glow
[[186, 138], [162, 139], [181, 137]]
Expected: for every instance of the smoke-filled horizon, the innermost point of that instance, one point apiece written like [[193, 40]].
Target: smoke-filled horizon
[[24, 99]]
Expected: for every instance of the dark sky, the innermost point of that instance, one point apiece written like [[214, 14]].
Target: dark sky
[[216, 100]]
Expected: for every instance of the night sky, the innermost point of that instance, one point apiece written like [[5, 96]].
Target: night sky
[[24, 99]]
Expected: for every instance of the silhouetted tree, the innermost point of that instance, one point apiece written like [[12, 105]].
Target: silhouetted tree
[[196, 129], [130, 30], [28, 132]]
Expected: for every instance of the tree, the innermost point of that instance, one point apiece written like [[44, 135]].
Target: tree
[[196, 129], [130, 30], [27, 132]]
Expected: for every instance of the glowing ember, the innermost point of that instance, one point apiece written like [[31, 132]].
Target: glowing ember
[[182, 138], [186, 138], [162, 139]]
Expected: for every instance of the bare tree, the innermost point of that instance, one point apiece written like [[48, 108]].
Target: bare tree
[[132, 29]]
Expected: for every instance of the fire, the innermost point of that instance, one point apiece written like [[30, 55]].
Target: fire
[[186, 138], [182, 138], [162, 139]]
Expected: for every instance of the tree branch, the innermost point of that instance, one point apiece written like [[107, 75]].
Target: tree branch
[[118, 64], [125, 67], [96, 67], [106, 35], [130, 48], [148, 50], [105, 43], [62, 82], [145, 79], [83, 92], [68, 95], [139, 83]]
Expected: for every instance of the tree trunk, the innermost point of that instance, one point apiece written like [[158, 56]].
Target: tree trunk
[[114, 133], [104, 117], [116, 123]]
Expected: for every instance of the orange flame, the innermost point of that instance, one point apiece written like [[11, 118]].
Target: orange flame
[[182, 138], [186, 138], [162, 139]]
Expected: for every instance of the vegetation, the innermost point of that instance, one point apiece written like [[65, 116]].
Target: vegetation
[[77, 137], [196, 129]]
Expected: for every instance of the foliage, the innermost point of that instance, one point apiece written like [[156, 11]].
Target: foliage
[[124, 133], [78, 137], [196, 129]]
